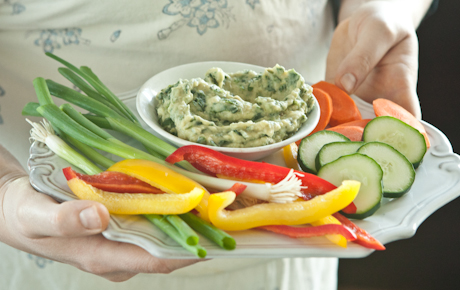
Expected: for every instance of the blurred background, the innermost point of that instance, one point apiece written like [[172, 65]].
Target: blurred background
[[430, 259]]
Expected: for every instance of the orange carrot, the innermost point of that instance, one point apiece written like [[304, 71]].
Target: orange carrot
[[344, 108], [325, 105], [359, 123], [354, 133], [385, 107]]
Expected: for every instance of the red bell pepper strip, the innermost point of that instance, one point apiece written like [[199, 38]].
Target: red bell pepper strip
[[350, 209], [113, 182], [310, 231], [362, 237], [219, 163], [237, 188]]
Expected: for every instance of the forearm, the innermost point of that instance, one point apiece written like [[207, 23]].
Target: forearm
[[10, 173], [414, 9], [10, 169]]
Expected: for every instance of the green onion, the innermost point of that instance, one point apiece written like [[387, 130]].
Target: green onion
[[208, 230], [162, 223], [62, 121], [80, 119], [30, 109], [141, 135], [99, 121], [97, 84], [184, 229], [89, 152], [42, 91], [44, 133], [80, 100], [85, 87]]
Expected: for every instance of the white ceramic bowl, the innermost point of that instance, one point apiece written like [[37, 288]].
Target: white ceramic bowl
[[145, 104]]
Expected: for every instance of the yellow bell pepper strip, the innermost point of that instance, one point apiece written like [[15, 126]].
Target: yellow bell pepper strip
[[363, 238], [134, 203], [163, 178], [312, 231], [290, 156], [295, 213], [338, 239]]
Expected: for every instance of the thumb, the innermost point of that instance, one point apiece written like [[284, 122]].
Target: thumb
[[368, 47], [42, 216]]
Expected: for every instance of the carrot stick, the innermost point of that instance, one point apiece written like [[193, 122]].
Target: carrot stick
[[325, 105], [360, 123], [385, 107], [354, 133], [344, 108]]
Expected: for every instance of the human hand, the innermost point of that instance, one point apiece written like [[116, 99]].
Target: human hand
[[69, 232], [374, 54]]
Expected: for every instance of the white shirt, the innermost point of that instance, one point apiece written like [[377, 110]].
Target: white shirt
[[125, 43]]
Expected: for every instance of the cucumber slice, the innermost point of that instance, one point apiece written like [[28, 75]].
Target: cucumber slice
[[310, 146], [398, 172], [331, 151], [404, 138], [364, 169]]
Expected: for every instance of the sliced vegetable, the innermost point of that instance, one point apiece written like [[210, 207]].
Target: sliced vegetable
[[134, 203], [156, 175], [332, 151], [312, 231], [354, 133], [325, 106], [224, 165], [114, 182], [362, 237], [404, 138], [360, 123], [363, 169], [290, 156], [295, 213], [310, 146], [385, 107], [336, 238], [398, 172], [344, 108]]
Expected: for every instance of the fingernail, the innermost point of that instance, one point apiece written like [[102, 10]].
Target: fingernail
[[90, 219], [348, 82]]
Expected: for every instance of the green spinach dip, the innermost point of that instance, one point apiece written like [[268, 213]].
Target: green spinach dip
[[242, 109]]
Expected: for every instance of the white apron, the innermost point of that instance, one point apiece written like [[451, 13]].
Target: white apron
[[125, 43]]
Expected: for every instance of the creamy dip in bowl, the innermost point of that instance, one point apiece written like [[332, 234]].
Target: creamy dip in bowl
[[225, 106]]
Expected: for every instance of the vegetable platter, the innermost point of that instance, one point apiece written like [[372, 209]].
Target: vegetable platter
[[436, 184]]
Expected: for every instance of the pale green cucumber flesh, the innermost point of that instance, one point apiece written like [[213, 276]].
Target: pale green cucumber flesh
[[404, 138], [398, 172], [310, 146], [331, 151], [364, 169]]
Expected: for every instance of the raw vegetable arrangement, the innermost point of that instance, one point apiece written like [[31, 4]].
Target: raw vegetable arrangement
[[194, 191], [382, 153]]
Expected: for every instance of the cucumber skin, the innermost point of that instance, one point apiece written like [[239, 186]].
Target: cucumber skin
[[360, 216], [416, 164], [304, 142]]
